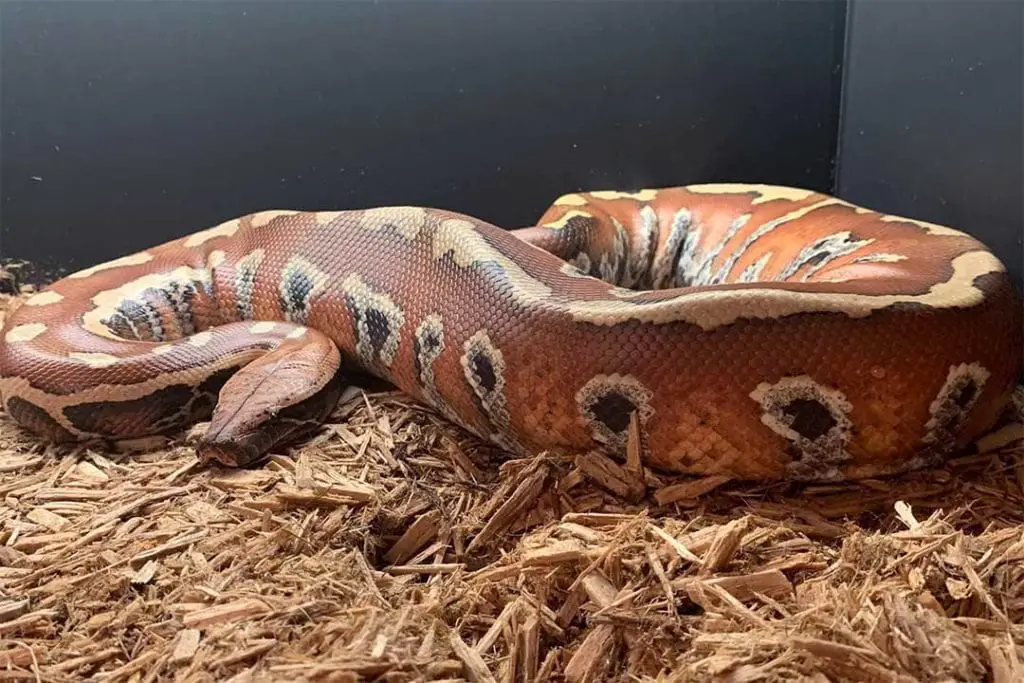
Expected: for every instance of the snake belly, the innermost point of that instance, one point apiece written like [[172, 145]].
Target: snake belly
[[756, 331]]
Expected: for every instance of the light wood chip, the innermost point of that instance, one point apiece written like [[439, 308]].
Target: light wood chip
[[419, 533], [476, 669], [185, 645], [689, 490], [238, 610]]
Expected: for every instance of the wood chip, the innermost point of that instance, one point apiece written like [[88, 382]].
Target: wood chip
[[87, 470], [239, 610], [556, 553], [185, 646], [476, 669], [12, 609], [676, 545], [724, 546], [146, 573], [516, 504], [609, 474], [689, 490], [772, 583], [419, 533]]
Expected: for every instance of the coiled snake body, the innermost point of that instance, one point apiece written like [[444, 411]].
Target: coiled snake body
[[756, 331]]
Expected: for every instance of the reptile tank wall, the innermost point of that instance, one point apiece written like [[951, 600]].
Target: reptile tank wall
[[391, 545]]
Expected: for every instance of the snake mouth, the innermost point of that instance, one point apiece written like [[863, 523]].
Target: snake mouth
[[252, 447], [234, 451]]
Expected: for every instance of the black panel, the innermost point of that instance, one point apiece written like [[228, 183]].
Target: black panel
[[933, 125], [128, 123]]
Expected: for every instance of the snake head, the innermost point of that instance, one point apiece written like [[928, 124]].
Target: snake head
[[273, 400], [242, 439], [244, 449]]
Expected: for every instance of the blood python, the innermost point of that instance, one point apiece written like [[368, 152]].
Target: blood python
[[757, 331]]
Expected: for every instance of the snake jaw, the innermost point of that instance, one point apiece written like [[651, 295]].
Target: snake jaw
[[234, 450]]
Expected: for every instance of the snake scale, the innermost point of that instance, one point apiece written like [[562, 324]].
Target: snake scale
[[757, 331]]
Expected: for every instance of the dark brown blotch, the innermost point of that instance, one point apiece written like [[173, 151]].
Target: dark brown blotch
[[378, 328], [164, 409], [32, 417], [809, 418], [613, 410], [483, 369]]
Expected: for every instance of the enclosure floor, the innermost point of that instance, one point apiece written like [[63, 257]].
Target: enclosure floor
[[394, 547]]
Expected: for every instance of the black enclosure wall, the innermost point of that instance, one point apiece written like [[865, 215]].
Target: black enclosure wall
[[129, 123], [124, 124], [933, 116]]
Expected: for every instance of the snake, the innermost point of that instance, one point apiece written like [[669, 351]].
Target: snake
[[754, 331]]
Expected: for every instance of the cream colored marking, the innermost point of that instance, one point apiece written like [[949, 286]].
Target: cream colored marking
[[560, 223], [245, 282], [610, 262], [461, 239], [95, 360], [578, 266], [262, 327], [930, 228], [44, 298], [407, 221], [24, 333], [761, 230], [752, 273], [107, 301], [258, 220], [641, 196], [642, 252], [768, 193], [325, 217], [296, 333], [682, 233], [880, 257], [699, 271], [573, 199], [19, 386], [215, 258], [201, 339], [225, 229], [432, 325], [131, 260], [832, 247], [364, 299], [162, 349], [712, 308]]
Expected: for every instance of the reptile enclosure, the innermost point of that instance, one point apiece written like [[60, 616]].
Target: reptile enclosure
[[392, 546]]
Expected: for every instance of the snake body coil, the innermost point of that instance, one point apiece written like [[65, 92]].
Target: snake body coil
[[756, 331]]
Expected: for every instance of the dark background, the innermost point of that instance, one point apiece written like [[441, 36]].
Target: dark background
[[933, 116], [124, 124]]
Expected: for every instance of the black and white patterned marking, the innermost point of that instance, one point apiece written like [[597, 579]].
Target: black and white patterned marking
[[821, 252], [245, 283], [377, 322], [301, 282], [814, 418], [664, 267], [606, 403], [951, 407], [483, 366]]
